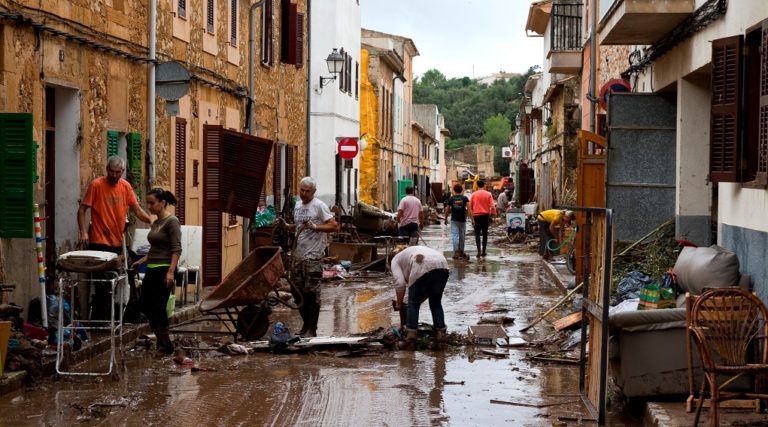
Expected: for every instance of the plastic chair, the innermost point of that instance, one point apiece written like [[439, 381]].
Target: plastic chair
[[727, 325]]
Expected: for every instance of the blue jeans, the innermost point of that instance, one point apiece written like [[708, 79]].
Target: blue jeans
[[458, 231], [429, 286]]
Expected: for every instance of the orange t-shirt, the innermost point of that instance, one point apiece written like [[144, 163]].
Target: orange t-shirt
[[109, 205], [481, 203]]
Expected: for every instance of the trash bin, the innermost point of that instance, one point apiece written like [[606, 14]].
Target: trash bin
[[5, 335]]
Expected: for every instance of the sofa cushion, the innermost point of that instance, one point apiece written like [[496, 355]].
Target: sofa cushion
[[648, 320], [700, 268]]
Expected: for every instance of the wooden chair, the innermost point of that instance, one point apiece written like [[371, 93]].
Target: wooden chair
[[727, 326]]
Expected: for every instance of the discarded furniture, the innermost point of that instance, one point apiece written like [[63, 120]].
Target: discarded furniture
[[242, 300], [354, 252], [638, 367], [727, 326], [96, 268]]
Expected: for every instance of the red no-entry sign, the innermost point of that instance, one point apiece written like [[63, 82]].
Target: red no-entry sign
[[347, 148]]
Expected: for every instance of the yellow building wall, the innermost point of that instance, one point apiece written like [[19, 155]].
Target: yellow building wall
[[369, 119]]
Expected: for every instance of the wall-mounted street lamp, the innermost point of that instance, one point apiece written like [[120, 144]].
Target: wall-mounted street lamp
[[335, 63], [528, 109], [518, 121]]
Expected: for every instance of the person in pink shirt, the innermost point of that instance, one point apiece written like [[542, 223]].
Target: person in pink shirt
[[409, 216], [482, 208]]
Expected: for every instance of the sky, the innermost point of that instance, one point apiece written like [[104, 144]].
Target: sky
[[461, 38]]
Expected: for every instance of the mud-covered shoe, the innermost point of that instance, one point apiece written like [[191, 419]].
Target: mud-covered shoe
[[438, 340], [409, 343]]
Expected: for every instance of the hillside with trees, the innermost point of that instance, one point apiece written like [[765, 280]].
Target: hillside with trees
[[475, 113]]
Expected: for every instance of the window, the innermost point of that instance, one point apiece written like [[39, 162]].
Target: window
[[267, 32], [18, 170], [739, 119], [210, 6], [195, 173], [182, 8], [342, 76], [232, 220], [348, 65], [357, 80], [291, 34], [233, 23]]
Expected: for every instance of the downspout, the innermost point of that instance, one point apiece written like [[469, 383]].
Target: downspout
[[592, 66], [250, 108], [151, 93], [309, 81], [395, 188]]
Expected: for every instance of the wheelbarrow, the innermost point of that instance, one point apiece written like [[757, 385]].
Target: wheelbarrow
[[242, 301]]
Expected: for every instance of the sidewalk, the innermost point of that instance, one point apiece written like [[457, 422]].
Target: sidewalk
[[13, 381]]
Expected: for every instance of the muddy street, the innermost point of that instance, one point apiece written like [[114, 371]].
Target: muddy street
[[451, 387]]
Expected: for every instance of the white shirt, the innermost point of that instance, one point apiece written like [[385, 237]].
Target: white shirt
[[311, 244], [415, 261]]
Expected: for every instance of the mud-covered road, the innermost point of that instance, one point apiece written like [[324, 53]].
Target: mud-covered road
[[452, 387]]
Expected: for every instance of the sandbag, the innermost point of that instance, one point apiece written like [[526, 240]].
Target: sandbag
[[90, 261], [700, 268]]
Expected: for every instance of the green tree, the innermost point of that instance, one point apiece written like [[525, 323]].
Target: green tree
[[496, 131]]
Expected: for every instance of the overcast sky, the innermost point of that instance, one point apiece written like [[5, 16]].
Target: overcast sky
[[460, 38]]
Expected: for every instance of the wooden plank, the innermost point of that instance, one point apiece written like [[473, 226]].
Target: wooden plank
[[568, 322], [753, 404]]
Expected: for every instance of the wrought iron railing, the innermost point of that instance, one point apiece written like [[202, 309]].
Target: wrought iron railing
[[565, 27]]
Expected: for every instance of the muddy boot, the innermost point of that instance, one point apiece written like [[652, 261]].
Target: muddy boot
[[438, 340], [314, 316], [409, 343], [164, 343], [304, 320]]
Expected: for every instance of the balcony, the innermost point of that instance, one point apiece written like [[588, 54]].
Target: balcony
[[642, 22], [565, 39]]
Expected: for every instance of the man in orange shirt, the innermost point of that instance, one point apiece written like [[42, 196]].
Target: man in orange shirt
[[482, 208]]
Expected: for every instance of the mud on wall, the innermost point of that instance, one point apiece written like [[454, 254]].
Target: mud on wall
[[369, 119]]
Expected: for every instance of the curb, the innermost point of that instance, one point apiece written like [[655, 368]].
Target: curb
[[560, 279], [16, 380]]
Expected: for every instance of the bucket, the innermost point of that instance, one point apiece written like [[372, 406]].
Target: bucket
[[5, 335], [529, 208], [516, 219]]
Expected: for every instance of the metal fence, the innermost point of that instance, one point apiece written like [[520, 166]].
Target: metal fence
[[566, 27]]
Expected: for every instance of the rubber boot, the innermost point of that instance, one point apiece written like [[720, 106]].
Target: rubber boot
[[304, 319], [314, 316], [164, 343], [438, 340], [409, 343]]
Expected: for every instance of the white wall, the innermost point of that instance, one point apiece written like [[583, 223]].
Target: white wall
[[334, 24]]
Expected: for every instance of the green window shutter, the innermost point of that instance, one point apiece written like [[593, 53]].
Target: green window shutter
[[17, 163], [134, 158], [112, 136]]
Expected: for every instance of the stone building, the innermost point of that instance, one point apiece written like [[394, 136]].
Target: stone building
[[478, 156]]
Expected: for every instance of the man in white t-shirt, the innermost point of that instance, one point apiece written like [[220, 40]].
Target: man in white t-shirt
[[313, 220], [409, 216], [423, 272]]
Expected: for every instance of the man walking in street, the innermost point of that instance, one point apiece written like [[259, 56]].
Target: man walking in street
[[551, 224], [456, 207], [313, 219], [409, 216], [482, 208], [423, 272], [108, 197]]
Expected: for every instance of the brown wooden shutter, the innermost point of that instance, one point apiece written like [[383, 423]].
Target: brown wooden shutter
[[211, 206], [181, 168], [233, 24], [724, 153], [289, 167], [267, 33], [299, 40], [277, 188], [245, 162], [210, 7], [762, 157]]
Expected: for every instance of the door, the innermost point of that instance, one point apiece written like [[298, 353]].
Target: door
[[641, 162]]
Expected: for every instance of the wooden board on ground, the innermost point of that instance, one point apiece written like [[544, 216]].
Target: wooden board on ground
[[751, 404], [568, 322]]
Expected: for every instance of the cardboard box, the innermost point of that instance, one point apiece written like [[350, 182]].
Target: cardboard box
[[486, 334]]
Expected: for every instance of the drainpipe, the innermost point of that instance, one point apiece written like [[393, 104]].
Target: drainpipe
[[309, 80], [250, 109], [151, 93], [395, 188], [592, 66]]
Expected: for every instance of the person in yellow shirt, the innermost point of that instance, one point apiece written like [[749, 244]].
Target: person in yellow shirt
[[551, 224]]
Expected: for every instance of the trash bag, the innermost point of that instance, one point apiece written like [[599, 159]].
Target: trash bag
[[631, 285], [281, 337]]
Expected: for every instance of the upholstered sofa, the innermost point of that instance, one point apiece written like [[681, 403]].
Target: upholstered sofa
[[648, 351]]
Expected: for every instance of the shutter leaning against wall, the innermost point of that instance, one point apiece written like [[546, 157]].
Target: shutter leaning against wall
[[762, 158], [17, 172], [212, 226], [112, 137], [724, 148], [180, 178]]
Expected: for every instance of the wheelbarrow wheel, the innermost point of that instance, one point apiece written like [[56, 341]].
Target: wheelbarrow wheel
[[253, 322]]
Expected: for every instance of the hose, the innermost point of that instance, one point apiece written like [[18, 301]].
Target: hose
[[565, 242]]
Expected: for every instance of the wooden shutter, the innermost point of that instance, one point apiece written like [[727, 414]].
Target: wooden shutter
[[299, 40], [762, 157], [182, 8], [724, 154], [341, 74], [209, 18], [357, 79], [277, 188], [267, 32], [339, 176], [349, 74], [134, 159], [289, 167], [180, 170], [211, 206], [17, 173], [233, 24], [112, 137]]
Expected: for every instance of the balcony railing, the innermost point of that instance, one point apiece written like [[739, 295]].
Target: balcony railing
[[565, 27]]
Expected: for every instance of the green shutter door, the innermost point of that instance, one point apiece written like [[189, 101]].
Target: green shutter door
[[112, 137], [134, 159], [17, 163]]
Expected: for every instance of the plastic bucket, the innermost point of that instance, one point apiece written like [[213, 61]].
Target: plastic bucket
[[5, 335]]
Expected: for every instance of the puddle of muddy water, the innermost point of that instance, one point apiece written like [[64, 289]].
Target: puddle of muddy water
[[454, 387]]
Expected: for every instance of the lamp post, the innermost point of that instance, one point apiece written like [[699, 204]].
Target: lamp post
[[335, 62]]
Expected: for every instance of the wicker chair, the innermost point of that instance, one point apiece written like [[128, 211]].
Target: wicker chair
[[727, 325]]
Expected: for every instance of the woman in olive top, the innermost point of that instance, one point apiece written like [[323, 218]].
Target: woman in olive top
[[165, 248], [549, 222]]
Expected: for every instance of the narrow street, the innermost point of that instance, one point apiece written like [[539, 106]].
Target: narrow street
[[453, 387]]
